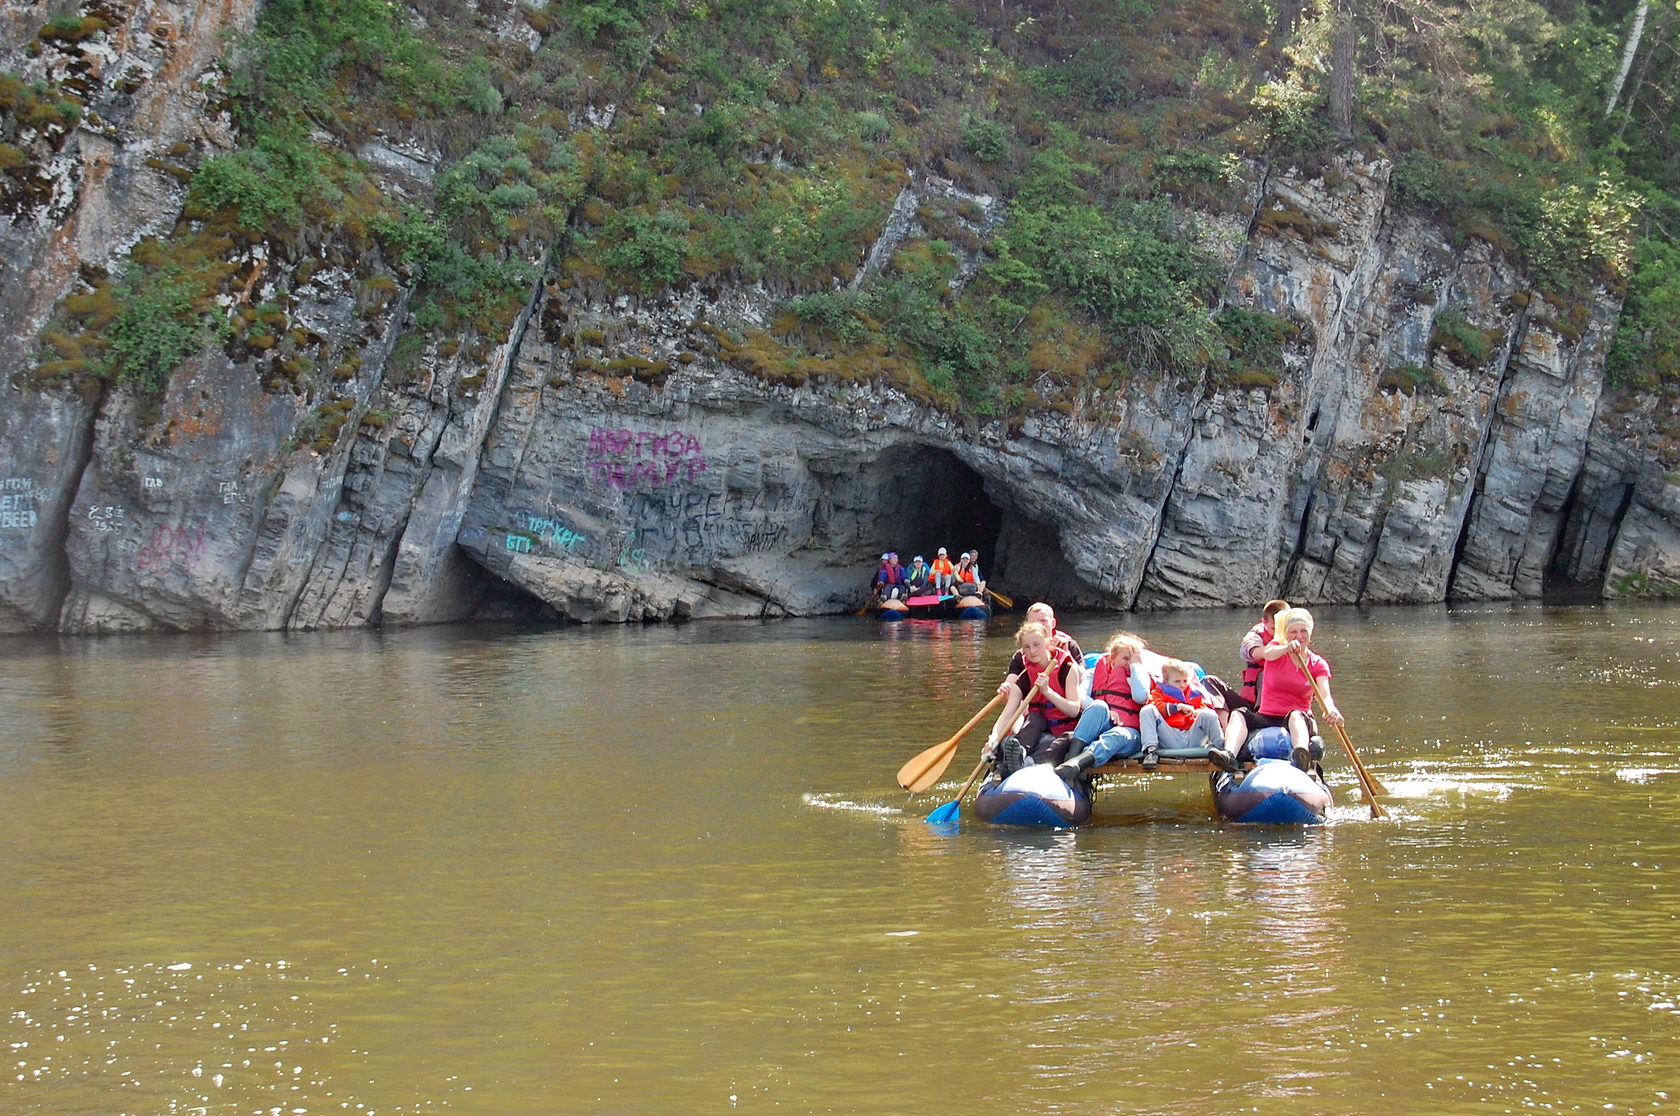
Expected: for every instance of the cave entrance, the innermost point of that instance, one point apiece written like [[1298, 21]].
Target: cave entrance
[[1581, 558], [928, 499], [923, 498]]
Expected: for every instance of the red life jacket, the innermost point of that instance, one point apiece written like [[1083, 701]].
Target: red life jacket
[[1055, 721], [1113, 686], [1160, 701], [1250, 688]]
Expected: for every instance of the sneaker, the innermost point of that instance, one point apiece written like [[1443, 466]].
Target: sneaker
[[1151, 756], [1011, 757], [1300, 758]]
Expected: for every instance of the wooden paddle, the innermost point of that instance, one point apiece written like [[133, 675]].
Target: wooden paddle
[[1368, 784], [1000, 598], [948, 812], [925, 768]]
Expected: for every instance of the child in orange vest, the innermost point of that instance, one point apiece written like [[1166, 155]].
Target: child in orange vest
[[1178, 715]]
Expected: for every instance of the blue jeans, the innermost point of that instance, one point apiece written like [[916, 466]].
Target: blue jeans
[[1103, 738]]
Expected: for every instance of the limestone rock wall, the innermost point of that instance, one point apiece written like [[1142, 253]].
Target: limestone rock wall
[[1437, 429], [97, 185]]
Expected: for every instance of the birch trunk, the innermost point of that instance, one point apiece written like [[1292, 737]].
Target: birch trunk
[[1629, 50]]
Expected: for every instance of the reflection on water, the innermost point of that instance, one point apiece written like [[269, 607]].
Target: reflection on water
[[666, 870]]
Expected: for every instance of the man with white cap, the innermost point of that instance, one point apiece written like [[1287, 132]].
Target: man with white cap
[[916, 579]]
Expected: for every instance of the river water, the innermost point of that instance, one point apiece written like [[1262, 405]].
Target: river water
[[667, 870]]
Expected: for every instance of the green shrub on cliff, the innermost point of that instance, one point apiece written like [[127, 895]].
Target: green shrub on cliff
[[658, 145], [165, 318], [1646, 350], [1142, 270]]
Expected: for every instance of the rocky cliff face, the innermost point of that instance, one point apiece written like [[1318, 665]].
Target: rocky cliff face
[[1438, 429]]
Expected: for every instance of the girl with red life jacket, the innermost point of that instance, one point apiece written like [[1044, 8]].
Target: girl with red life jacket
[[1051, 709], [1178, 714], [1109, 725], [1286, 695], [1254, 639], [1041, 613]]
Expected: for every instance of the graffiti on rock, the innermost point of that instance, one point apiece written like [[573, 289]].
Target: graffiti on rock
[[171, 548], [630, 460], [17, 504]]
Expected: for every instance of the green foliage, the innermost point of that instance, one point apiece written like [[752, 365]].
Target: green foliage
[[646, 248], [763, 141], [319, 429], [1293, 114], [1178, 168], [873, 126], [1645, 352], [1139, 269], [1413, 378], [840, 314], [1420, 182], [1096, 76], [1254, 343], [594, 20], [262, 188], [987, 140], [164, 318], [953, 345], [1464, 344]]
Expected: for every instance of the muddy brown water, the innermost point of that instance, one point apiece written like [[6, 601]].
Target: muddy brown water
[[666, 870]]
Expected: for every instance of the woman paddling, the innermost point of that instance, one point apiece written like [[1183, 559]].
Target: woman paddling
[[1052, 711], [1286, 695]]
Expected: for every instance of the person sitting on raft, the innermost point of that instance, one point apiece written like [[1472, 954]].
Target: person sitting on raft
[[969, 583], [944, 574], [1053, 710], [1178, 714], [1042, 613], [1286, 694], [1254, 639], [889, 579], [916, 577], [1109, 725]]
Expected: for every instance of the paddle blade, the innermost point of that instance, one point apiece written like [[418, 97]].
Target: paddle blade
[[925, 769], [944, 814]]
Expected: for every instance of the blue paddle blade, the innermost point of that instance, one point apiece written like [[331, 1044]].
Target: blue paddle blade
[[943, 814]]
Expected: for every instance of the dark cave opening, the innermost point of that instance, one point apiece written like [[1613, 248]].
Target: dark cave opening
[[929, 499], [1581, 556]]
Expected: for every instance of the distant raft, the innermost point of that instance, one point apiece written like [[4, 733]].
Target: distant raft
[[1033, 796], [932, 606]]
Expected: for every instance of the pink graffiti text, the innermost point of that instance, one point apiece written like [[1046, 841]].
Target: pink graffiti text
[[171, 548]]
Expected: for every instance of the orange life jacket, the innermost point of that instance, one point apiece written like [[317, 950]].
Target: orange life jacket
[[1160, 700]]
